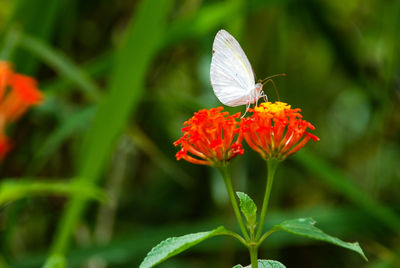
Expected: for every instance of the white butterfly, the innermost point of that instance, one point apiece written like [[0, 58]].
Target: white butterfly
[[231, 74]]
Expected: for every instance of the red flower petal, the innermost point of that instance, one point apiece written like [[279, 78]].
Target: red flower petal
[[275, 130], [208, 138], [17, 94]]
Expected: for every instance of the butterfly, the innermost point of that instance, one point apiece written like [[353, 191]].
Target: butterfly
[[231, 74]]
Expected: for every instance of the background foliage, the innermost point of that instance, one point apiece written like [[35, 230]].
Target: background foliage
[[120, 79]]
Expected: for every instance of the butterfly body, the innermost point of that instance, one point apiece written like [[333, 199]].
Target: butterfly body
[[231, 74]]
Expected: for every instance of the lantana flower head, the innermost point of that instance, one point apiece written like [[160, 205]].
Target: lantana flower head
[[275, 130], [17, 94], [210, 137]]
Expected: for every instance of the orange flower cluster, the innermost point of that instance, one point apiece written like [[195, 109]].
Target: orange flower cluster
[[275, 130], [209, 138], [17, 93]]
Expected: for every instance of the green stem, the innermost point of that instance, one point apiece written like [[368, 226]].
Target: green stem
[[235, 235], [228, 183], [272, 165], [266, 235], [253, 256]]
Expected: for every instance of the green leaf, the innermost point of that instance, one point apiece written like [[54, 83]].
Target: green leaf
[[265, 264], [175, 245], [305, 227], [248, 207]]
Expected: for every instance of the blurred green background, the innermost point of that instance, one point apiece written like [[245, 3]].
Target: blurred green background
[[120, 78]]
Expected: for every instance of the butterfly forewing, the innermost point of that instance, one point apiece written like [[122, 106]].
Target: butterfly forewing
[[231, 74]]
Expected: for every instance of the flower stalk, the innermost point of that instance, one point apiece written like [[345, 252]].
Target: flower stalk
[[272, 165], [228, 184], [254, 256]]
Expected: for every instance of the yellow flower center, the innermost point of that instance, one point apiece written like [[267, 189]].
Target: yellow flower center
[[269, 107]]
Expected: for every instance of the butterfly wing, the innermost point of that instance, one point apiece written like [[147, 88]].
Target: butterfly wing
[[231, 75]]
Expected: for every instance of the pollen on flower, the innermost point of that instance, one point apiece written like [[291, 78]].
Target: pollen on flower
[[269, 107], [210, 137], [17, 94], [275, 130]]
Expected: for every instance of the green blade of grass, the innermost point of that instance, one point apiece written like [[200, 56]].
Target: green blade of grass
[[202, 22], [66, 129], [52, 57], [210, 17], [9, 44], [125, 90], [60, 63], [13, 189], [95, 68], [340, 183], [150, 148], [34, 17]]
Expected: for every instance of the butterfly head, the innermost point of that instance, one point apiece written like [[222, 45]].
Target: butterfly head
[[258, 87]]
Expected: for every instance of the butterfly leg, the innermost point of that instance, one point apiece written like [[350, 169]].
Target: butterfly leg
[[264, 96], [247, 108]]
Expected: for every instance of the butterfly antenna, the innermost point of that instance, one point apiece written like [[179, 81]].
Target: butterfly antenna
[[273, 84], [269, 79], [265, 80]]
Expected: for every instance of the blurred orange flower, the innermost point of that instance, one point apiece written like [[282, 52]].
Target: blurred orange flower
[[17, 93], [275, 130], [209, 138]]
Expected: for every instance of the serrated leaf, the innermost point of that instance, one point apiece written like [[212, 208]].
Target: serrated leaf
[[248, 207], [175, 245], [305, 227], [265, 264]]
